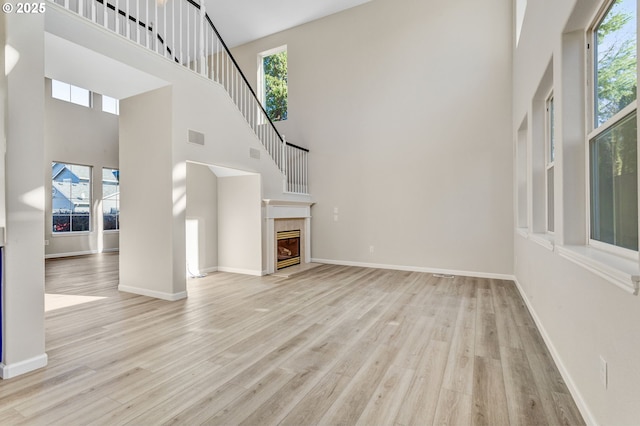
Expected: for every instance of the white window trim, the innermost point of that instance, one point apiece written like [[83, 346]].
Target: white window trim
[[549, 163], [617, 265], [600, 245], [116, 102], [91, 213], [545, 240], [100, 207], [261, 86], [70, 98], [594, 131], [622, 272]]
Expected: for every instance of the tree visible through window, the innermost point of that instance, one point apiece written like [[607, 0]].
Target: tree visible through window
[[274, 68], [613, 142], [615, 68]]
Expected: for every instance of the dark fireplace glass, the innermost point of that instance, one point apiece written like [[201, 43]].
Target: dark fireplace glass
[[288, 248]]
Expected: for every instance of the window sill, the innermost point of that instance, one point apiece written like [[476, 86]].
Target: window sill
[[523, 232], [619, 271], [545, 240], [70, 234]]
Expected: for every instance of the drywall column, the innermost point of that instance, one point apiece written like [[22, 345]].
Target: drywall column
[[240, 224], [23, 298], [146, 198], [202, 219]]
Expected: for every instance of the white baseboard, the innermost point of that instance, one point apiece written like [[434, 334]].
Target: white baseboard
[[171, 297], [111, 250], [573, 389], [415, 269], [240, 271], [70, 254], [209, 270], [22, 367]]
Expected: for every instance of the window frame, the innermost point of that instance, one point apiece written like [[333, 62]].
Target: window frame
[[549, 160], [594, 130], [116, 109], [70, 99], [102, 182], [262, 89], [55, 233]]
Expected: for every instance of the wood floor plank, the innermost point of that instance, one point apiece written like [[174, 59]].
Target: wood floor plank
[[458, 375], [354, 398], [525, 405], [489, 397], [420, 402], [487, 343], [331, 345], [317, 401], [454, 408], [249, 401], [383, 407]]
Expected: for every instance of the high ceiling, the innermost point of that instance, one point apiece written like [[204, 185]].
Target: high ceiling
[[242, 21]]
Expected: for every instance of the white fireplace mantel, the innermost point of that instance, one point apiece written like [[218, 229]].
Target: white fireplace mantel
[[285, 209]]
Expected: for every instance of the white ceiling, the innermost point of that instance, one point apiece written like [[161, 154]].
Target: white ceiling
[[242, 21]]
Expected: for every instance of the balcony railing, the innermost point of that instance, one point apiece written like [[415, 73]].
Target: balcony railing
[[182, 32]]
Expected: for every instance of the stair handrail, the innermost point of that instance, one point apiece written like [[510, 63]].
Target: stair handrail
[[235, 64], [269, 136]]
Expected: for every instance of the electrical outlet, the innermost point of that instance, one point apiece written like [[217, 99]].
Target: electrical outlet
[[46, 242], [371, 249], [604, 373], [335, 210], [335, 217]]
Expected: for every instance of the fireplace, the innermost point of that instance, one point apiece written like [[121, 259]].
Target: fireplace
[[288, 248]]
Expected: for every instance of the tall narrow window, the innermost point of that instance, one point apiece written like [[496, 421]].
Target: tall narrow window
[[613, 141], [110, 199], [70, 197], [550, 158], [274, 78], [110, 105]]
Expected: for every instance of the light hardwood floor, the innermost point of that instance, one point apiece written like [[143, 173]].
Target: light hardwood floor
[[334, 345]]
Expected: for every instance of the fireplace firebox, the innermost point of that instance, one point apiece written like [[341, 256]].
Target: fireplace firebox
[[288, 246]]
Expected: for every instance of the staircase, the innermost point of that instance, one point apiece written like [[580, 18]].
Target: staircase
[[182, 32]]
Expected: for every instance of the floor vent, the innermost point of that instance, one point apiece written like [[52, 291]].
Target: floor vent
[[447, 276]]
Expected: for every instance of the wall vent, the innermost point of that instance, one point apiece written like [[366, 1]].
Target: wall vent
[[254, 153], [196, 137]]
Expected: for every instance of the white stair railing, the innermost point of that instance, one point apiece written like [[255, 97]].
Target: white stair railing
[[182, 32]]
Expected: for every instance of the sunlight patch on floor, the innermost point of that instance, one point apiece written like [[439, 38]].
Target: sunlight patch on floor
[[59, 301]]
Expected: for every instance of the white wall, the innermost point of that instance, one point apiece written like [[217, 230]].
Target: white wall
[[583, 316], [85, 136], [23, 265], [240, 224], [405, 109], [202, 208], [146, 197]]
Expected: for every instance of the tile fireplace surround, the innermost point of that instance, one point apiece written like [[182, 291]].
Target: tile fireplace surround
[[283, 215]]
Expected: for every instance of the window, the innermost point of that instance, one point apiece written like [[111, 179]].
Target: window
[[274, 90], [549, 161], [70, 197], [110, 105], [521, 8], [522, 178], [69, 93], [110, 199], [613, 143]]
